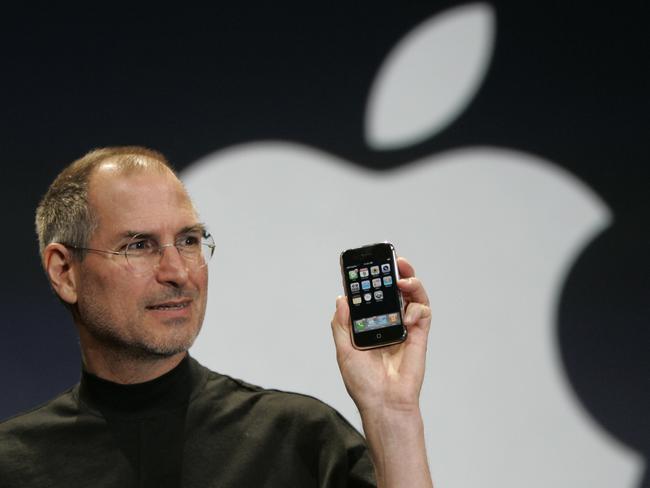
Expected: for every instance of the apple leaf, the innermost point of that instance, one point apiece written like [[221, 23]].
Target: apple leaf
[[430, 76]]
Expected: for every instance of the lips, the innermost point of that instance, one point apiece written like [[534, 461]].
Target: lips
[[170, 305]]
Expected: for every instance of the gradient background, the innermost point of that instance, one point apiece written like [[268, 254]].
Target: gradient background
[[568, 83]]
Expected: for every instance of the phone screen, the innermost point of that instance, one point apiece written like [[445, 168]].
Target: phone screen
[[370, 277]]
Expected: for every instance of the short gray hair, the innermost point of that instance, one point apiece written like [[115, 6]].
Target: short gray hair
[[64, 215]]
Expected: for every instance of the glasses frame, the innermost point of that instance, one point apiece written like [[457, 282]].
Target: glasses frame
[[160, 249]]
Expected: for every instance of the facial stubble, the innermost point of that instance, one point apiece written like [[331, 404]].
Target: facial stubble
[[100, 323]]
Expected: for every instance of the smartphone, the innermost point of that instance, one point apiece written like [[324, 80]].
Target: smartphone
[[370, 277]]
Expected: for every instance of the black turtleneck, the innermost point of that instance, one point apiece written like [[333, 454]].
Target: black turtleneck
[[146, 420], [169, 391], [190, 428]]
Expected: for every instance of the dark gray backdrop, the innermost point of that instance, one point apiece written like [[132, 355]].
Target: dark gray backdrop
[[567, 82]]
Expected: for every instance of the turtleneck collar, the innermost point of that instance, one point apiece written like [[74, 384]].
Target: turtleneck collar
[[167, 392]]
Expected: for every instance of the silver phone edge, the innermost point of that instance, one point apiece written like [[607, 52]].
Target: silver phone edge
[[399, 294]]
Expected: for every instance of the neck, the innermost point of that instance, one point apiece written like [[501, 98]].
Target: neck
[[126, 369]]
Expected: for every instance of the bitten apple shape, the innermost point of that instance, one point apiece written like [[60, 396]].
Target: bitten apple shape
[[492, 233]]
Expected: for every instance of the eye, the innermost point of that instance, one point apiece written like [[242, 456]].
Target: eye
[[189, 240], [140, 246]]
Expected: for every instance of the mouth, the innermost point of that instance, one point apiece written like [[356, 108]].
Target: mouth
[[173, 305]]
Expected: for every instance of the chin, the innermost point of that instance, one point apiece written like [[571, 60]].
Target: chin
[[167, 347]]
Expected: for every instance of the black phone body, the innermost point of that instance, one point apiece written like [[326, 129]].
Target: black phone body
[[370, 277]]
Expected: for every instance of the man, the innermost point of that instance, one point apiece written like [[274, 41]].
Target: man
[[123, 249]]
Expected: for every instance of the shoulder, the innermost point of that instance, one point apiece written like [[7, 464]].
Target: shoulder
[[30, 434], [276, 428], [237, 398], [42, 416]]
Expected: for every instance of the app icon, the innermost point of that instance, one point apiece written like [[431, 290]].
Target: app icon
[[374, 270], [377, 321], [353, 274], [376, 282], [388, 280], [356, 300], [385, 268], [363, 272], [359, 324], [367, 297], [365, 284], [379, 295], [354, 287], [393, 318]]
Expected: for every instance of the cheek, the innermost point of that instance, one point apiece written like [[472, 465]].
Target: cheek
[[200, 279], [205, 282], [118, 291], [129, 295]]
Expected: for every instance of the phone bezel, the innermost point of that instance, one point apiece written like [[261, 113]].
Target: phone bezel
[[384, 336]]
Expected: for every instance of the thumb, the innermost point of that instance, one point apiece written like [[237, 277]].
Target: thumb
[[341, 326]]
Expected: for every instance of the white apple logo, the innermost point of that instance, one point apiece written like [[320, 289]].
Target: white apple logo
[[492, 233]]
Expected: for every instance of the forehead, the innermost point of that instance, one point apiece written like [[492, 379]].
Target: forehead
[[143, 200]]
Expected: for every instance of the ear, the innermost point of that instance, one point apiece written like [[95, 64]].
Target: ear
[[59, 267]]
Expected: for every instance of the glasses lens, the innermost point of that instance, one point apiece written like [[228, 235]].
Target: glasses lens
[[143, 254], [207, 248], [196, 247]]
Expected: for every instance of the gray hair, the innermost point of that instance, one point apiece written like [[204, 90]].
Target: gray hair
[[64, 215]]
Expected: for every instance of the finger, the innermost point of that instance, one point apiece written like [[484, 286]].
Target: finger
[[413, 290], [405, 268], [341, 325], [418, 314], [418, 322]]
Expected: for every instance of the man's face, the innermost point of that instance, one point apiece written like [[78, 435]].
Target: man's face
[[158, 313]]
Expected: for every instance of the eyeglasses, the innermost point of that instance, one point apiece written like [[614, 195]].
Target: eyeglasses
[[143, 253]]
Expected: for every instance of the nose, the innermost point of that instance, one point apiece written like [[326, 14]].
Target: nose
[[171, 269]]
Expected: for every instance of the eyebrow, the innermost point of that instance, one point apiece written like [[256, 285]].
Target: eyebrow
[[188, 228], [193, 228]]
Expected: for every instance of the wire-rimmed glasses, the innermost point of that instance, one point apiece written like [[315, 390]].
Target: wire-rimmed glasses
[[143, 252]]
